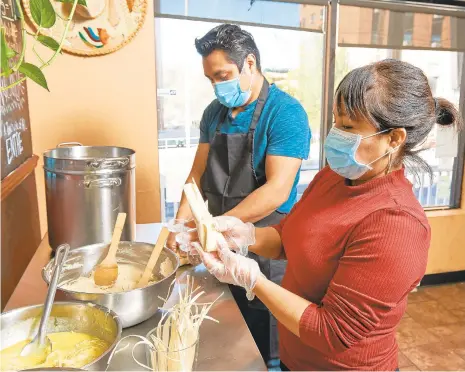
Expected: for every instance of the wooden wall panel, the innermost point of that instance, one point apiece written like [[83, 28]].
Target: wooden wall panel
[[20, 234]]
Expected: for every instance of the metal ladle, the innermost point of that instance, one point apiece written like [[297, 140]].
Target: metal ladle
[[40, 346]]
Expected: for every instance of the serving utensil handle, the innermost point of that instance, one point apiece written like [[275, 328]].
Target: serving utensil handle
[[62, 253]]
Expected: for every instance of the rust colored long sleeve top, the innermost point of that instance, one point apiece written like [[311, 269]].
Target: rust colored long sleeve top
[[355, 252]]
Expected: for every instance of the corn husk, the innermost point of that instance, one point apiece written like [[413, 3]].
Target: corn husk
[[173, 343], [208, 235]]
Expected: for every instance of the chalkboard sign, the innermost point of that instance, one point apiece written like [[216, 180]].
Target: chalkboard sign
[[16, 143]]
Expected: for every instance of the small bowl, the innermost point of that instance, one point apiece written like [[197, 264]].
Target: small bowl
[[21, 324]]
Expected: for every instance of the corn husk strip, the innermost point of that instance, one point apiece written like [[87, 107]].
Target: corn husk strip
[[116, 351], [143, 342], [178, 331], [173, 343], [179, 356]]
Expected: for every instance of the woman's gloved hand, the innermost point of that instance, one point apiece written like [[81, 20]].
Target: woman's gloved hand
[[238, 234], [232, 268]]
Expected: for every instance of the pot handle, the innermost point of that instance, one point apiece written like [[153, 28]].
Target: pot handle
[[63, 144], [114, 163], [101, 183]]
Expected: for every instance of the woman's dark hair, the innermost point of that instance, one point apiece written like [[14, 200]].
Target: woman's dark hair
[[394, 94], [237, 44]]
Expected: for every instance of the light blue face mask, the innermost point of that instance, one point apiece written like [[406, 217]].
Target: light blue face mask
[[230, 94], [341, 148]]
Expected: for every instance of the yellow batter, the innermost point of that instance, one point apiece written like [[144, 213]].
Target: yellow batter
[[69, 349]]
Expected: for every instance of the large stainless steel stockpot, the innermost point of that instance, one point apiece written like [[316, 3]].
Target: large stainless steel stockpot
[[86, 187]]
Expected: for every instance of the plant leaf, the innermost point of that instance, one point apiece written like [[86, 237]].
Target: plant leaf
[[10, 53], [5, 51], [34, 73], [48, 42], [80, 2], [4, 58], [43, 13]]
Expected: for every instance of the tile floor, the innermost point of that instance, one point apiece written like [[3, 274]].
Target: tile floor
[[431, 335]]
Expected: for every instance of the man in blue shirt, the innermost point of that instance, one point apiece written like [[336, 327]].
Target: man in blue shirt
[[253, 138]]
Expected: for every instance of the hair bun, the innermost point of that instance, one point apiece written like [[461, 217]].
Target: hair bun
[[446, 113]]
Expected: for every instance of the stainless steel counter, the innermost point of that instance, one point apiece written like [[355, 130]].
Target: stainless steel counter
[[224, 346]]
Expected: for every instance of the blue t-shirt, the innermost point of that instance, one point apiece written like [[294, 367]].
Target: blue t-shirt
[[282, 130]]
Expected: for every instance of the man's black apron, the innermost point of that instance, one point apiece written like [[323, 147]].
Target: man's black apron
[[228, 179]]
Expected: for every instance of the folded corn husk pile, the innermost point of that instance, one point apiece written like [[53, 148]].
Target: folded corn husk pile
[[173, 343]]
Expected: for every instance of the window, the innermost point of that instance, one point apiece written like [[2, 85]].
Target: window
[[441, 147], [408, 29], [291, 38], [375, 26], [436, 32], [291, 56]]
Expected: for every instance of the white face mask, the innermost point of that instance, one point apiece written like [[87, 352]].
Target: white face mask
[[341, 148]]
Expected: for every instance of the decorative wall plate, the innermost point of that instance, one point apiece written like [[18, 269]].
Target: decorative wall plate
[[103, 27]]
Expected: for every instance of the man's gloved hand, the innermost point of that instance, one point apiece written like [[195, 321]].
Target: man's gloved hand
[[177, 229], [232, 268]]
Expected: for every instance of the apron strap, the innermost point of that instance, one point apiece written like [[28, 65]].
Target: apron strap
[[263, 96], [222, 117], [260, 104], [257, 112]]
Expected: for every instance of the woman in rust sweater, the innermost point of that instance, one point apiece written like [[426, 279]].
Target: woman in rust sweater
[[357, 242]]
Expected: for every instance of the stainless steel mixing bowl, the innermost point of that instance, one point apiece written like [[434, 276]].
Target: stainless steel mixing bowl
[[20, 324], [133, 306]]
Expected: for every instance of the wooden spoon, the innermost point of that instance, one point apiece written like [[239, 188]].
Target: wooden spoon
[[144, 279], [106, 272]]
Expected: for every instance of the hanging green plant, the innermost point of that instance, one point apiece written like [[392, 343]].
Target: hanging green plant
[[44, 16]]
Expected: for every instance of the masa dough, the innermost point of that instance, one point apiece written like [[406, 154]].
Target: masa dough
[[128, 277], [69, 349]]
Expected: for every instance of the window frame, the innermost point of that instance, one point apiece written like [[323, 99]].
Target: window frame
[[330, 30], [428, 8], [459, 161]]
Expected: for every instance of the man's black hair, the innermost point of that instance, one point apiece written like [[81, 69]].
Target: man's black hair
[[236, 43]]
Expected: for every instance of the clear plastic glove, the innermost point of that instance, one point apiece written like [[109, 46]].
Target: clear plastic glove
[[238, 234], [232, 268], [178, 228], [241, 234]]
